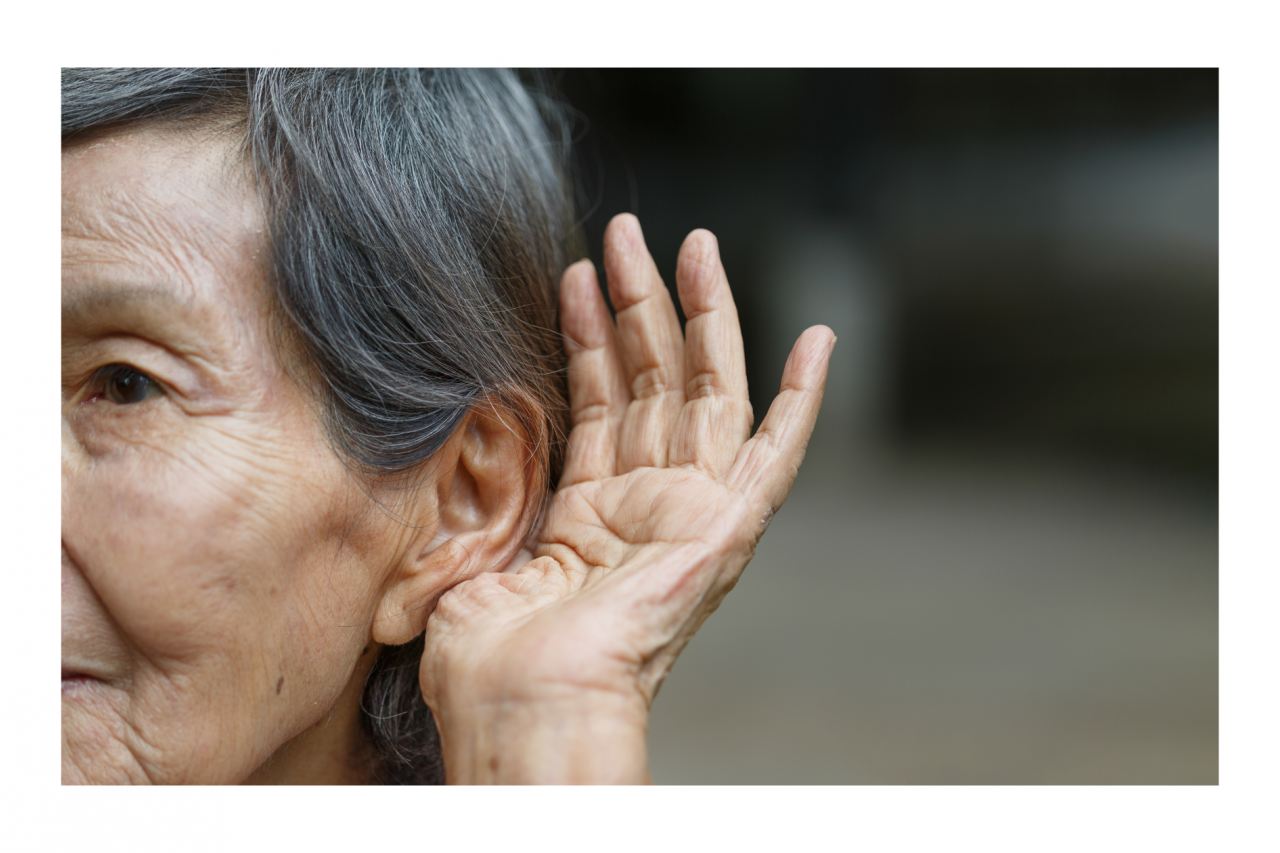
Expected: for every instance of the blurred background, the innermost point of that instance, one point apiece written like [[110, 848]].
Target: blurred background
[[999, 563]]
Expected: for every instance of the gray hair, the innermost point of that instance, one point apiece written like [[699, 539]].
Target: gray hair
[[419, 222]]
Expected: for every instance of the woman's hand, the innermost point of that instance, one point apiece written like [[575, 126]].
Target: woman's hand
[[546, 673]]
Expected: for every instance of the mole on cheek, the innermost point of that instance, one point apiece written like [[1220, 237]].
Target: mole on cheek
[[279, 684]]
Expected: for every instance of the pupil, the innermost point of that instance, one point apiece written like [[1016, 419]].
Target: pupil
[[128, 386]]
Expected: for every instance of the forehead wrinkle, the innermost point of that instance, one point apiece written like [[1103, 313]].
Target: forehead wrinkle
[[170, 239], [177, 204], [164, 247]]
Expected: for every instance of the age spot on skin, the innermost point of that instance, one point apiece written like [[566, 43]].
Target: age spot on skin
[[279, 684]]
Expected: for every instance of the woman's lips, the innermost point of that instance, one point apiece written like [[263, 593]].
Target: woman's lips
[[79, 688], [76, 677], [71, 676]]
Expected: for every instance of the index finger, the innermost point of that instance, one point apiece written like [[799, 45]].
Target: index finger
[[597, 389]]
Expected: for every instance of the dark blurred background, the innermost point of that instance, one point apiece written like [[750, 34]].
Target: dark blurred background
[[999, 563]]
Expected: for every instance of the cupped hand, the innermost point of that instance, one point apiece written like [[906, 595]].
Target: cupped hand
[[546, 672]]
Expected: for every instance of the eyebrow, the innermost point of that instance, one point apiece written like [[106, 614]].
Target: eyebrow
[[97, 299]]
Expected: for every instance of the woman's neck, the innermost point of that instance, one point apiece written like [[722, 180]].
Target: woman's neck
[[333, 751]]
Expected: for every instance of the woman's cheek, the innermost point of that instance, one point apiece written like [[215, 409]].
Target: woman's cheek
[[218, 546], [173, 542]]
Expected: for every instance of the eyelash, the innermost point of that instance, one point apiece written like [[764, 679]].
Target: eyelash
[[123, 385]]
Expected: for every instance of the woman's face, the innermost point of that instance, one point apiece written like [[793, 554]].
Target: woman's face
[[220, 568]]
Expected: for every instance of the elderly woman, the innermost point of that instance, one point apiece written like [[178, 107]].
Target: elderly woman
[[340, 503]]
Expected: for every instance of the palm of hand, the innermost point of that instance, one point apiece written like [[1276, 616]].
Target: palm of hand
[[663, 497]]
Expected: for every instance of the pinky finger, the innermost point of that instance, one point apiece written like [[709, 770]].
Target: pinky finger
[[767, 464]]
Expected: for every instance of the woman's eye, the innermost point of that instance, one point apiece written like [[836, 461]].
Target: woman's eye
[[123, 385]]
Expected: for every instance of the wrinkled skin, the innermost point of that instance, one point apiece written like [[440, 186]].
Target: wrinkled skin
[[219, 566], [546, 673], [227, 582]]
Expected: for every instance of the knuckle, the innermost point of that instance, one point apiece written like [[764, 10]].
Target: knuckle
[[706, 383], [590, 412], [652, 382], [766, 445]]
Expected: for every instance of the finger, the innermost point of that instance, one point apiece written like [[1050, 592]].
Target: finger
[[597, 390], [716, 418], [766, 466], [651, 345]]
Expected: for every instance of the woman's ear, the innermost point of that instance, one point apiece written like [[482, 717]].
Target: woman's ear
[[483, 492]]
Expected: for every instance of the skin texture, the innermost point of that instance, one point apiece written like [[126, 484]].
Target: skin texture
[[227, 581], [221, 569], [546, 673]]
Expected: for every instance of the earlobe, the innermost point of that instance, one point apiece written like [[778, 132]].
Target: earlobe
[[403, 611], [479, 502]]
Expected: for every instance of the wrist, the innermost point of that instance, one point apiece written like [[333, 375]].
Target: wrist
[[577, 737]]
